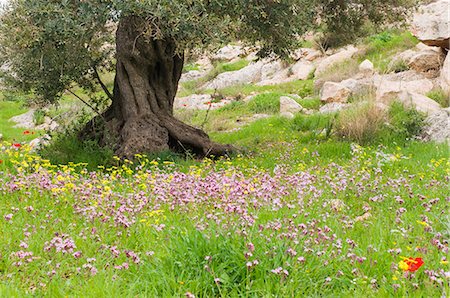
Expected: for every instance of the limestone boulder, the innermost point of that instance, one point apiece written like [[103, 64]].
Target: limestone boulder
[[302, 69], [334, 92], [437, 127], [420, 102], [428, 62], [431, 24], [289, 105], [229, 53], [445, 75], [25, 120], [246, 75], [390, 86], [366, 67], [335, 59]]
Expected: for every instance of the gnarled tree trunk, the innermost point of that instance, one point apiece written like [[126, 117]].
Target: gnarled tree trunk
[[140, 119]]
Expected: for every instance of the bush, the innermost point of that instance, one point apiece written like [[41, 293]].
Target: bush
[[361, 123], [404, 123]]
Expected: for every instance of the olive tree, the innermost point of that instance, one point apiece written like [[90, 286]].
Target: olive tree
[[49, 46]]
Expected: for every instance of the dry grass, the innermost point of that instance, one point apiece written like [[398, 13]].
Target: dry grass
[[361, 123]]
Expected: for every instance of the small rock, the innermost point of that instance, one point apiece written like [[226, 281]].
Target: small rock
[[332, 107], [289, 105], [334, 92], [40, 142], [366, 67], [229, 53]]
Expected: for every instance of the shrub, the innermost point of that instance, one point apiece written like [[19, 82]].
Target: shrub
[[404, 123], [361, 123], [39, 117]]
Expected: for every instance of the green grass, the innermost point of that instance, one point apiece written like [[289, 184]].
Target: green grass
[[380, 48], [9, 109], [440, 97]]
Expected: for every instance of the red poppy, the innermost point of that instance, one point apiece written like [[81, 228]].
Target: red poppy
[[413, 264], [1, 161], [16, 145], [26, 132]]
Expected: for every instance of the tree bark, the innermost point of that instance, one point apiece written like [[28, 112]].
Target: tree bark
[[140, 118]]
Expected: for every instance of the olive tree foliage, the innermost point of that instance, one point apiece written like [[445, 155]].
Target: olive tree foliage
[[49, 46]]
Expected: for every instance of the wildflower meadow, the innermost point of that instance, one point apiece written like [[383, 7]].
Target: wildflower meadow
[[373, 225]]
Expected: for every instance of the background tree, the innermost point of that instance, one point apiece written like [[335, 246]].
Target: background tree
[[48, 46]]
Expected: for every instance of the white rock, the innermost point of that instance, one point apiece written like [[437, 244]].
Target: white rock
[[420, 102], [445, 76], [199, 102], [358, 85], [432, 24], [192, 75], [289, 105], [229, 53], [332, 107], [1, 137], [366, 67], [246, 75], [334, 92], [302, 69], [25, 120], [423, 47], [40, 142], [390, 86], [438, 127], [333, 60]]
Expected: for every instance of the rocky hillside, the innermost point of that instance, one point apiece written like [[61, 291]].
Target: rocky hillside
[[414, 71]]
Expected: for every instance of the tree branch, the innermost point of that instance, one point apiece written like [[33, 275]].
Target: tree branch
[[86, 103], [100, 82]]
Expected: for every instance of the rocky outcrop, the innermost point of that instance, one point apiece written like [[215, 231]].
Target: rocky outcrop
[[334, 92], [335, 59], [431, 24]]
